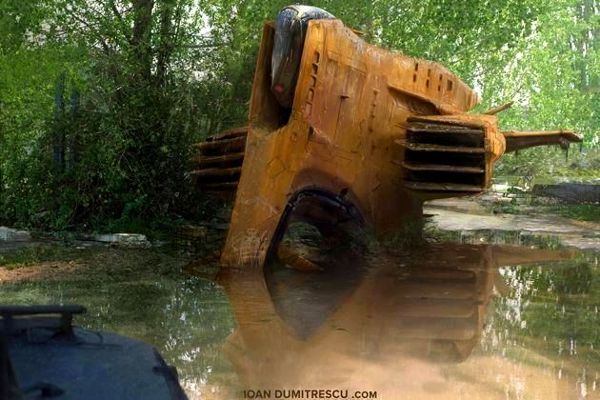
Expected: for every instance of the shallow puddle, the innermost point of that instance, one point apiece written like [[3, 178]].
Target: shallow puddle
[[441, 321]]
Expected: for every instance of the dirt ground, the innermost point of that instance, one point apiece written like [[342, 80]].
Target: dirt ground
[[55, 261]]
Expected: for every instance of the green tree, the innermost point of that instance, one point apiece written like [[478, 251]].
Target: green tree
[[143, 79]]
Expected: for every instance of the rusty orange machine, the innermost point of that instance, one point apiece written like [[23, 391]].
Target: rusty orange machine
[[368, 135]]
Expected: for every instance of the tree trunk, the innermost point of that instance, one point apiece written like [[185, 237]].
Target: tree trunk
[[165, 40], [141, 38]]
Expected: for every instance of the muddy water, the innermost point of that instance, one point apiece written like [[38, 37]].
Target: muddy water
[[443, 321]]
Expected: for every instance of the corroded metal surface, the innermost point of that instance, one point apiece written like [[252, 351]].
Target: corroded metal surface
[[368, 129], [218, 162]]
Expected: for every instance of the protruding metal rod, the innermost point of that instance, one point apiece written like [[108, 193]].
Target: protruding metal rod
[[516, 140], [496, 110]]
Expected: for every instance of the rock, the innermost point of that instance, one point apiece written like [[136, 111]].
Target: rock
[[123, 239], [13, 235], [570, 192], [295, 260]]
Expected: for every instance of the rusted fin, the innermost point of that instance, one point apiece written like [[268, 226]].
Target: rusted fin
[[440, 148], [444, 154], [443, 128], [446, 121], [217, 173], [443, 168], [219, 160], [236, 144], [229, 134], [442, 187]]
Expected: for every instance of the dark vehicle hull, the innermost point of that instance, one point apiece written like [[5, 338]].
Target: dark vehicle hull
[[61, 362]]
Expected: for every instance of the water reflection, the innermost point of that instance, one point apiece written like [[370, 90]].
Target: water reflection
[[445, 321], [140, 294], [407, 326]]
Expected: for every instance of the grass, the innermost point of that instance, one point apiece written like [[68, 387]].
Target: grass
[[508, 207], [31, 255], [529, 204], [581, 212]]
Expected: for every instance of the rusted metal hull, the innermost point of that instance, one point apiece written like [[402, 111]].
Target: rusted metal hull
[[370, 129]]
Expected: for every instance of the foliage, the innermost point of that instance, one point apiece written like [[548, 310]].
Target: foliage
[[583, 212], [556, 303], [100, 100], [109, 135], [558, 78]]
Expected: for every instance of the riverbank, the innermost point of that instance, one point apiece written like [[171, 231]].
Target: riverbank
[[479, 220]]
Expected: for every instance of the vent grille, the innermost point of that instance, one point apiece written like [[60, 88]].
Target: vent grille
[[444, 156], [217, 164]]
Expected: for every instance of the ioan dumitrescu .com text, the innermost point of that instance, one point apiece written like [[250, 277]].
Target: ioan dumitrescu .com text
[[308, 394]]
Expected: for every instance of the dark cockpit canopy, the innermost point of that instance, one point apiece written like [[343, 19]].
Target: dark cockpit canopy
[[290, 33]]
